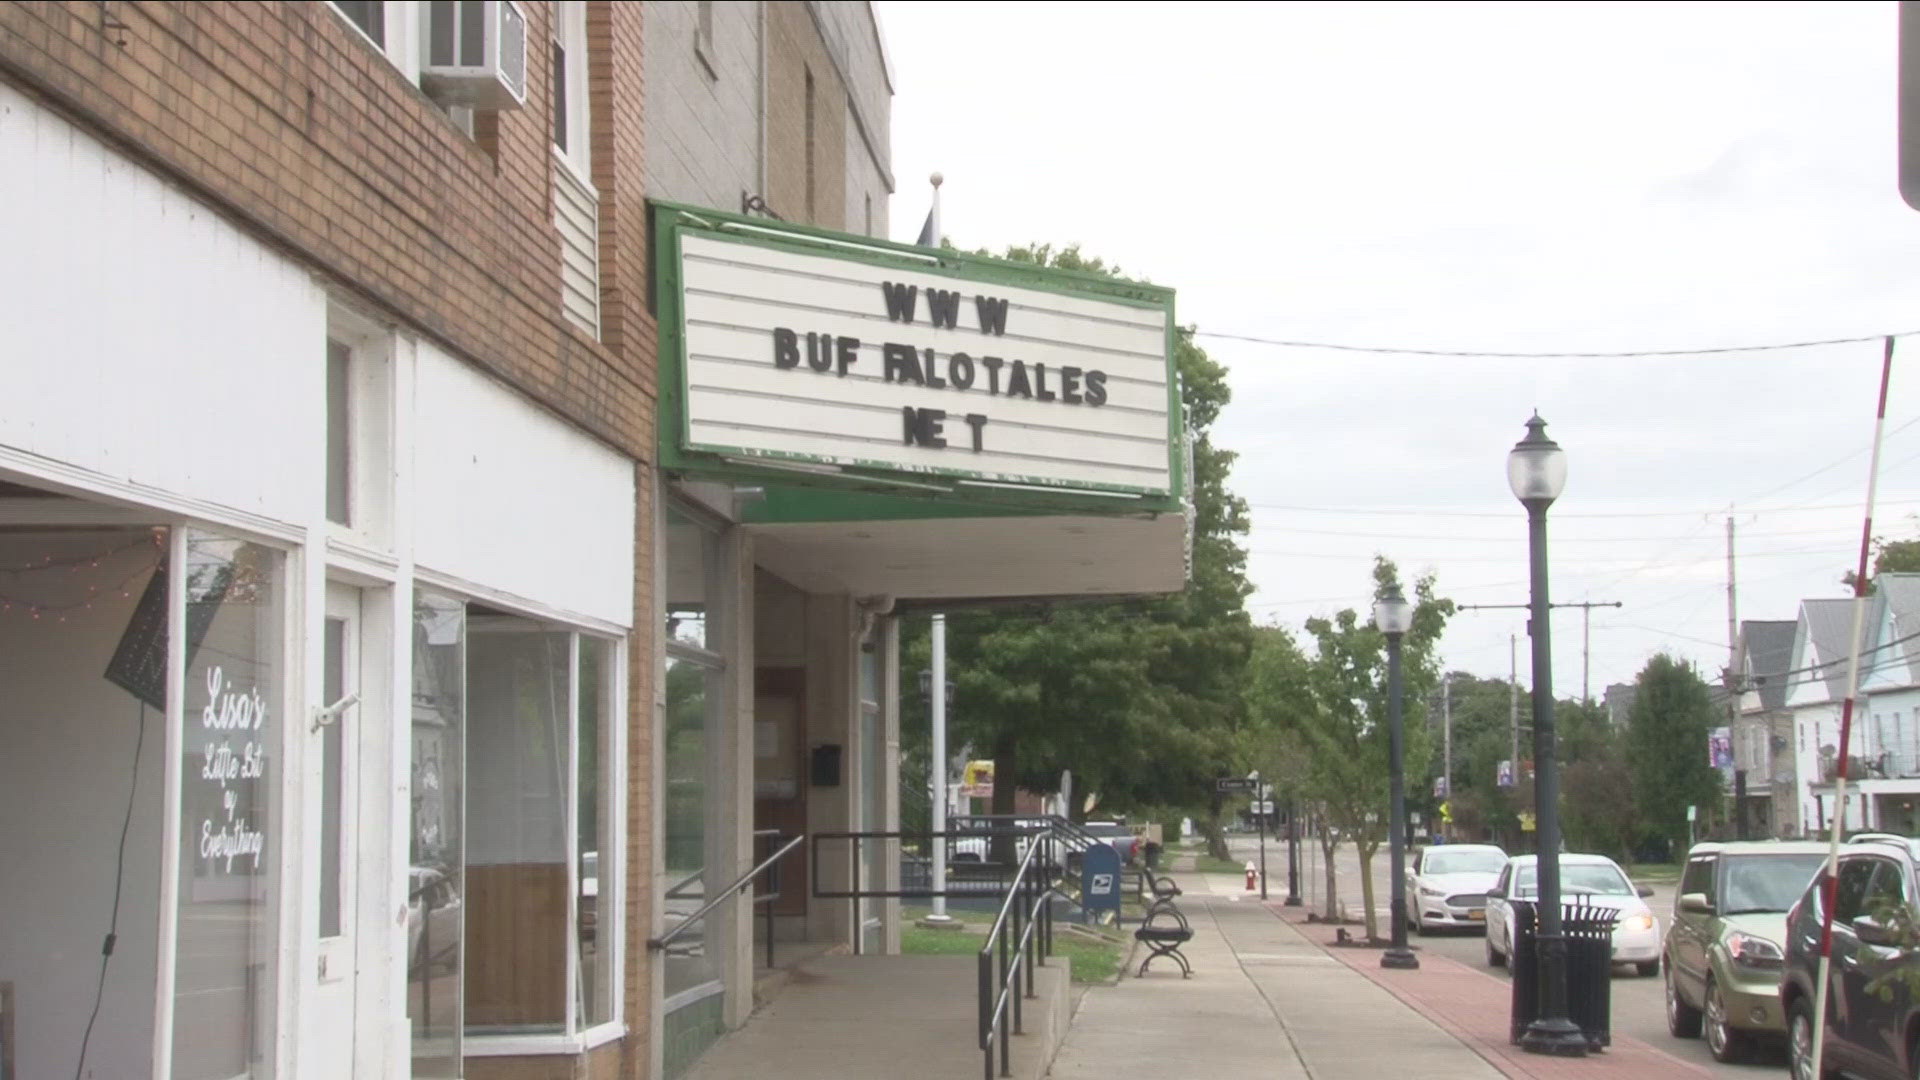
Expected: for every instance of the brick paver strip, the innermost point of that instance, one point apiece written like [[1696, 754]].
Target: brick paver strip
[[1473, 1007]]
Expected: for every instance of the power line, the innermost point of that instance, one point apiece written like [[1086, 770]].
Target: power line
[[1417, 511], [1622, 354]]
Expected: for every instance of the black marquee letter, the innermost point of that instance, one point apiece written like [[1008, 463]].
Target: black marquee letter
[[1070, 385], [819, 351], [1017, 381], [846, 351], [1096, 387], [786, 348], [899, 300], [992, 364], [900, 363], [1040, 383], [943, 307], [976, 421], [933, 371], [993, 314], [960, 371]]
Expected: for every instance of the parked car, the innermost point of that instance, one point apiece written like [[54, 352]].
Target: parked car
[[1447, 886], [1119, 835], [1725, 942], [1869, 1035], [1595, 878]]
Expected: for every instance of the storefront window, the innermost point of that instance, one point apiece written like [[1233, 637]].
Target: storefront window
[[692, 702], [598, 862], [540, 712], [436, 881], [693, 698], [224, 977], [518, 689]]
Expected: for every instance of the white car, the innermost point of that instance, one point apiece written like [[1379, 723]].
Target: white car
[[1447, 886], [1595, 879]]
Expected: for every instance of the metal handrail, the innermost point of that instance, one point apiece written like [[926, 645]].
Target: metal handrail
[[1027, 947], [739, 886]]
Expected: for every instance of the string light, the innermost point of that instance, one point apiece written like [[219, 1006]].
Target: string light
[[59, 610], [76, 563]]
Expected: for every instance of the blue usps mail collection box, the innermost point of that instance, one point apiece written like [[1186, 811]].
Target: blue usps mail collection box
[[1100, 879]]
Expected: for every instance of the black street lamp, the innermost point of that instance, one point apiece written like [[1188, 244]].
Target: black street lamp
[[1537, 472], [1394, 617], [1293, 852]]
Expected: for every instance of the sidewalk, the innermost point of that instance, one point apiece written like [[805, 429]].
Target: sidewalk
[[1474, 1006], [1263, 1001]]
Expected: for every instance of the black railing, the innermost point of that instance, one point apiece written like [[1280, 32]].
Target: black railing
[[1020, 940], [1021, 937], [739, 886]]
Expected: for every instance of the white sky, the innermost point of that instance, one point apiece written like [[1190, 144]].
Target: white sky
[[1498, 177]]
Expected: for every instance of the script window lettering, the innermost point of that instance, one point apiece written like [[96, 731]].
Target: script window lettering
[[230, 739]]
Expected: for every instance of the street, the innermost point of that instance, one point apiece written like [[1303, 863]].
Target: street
[[1639, 1006]]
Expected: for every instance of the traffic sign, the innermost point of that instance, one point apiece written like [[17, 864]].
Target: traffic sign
[[1228, 784]]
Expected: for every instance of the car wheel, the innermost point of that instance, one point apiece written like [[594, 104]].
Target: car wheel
[[1725, 1042], [1683, 1020], [1494, 957], [1800, 1043], [1648, 970]]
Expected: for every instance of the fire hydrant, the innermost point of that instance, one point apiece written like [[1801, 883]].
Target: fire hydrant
[[1253, 877]]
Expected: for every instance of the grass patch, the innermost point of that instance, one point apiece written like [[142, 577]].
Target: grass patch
[[1655, 873], [1093, 961], [1207, 864]]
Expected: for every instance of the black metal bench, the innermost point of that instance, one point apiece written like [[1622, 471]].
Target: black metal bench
[[1164, 929]]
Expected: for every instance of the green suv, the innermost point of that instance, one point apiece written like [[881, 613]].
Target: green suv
[[1726, 942]]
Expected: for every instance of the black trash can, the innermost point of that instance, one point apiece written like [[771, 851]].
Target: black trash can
[[1152, 851], [1588, 931]]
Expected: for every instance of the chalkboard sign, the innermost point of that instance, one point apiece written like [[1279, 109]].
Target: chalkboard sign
[[139, 664]]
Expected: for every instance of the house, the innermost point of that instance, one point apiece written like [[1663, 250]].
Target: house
[[1763, 729]]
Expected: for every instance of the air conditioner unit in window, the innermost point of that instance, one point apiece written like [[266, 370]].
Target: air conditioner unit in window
[[476, 54]]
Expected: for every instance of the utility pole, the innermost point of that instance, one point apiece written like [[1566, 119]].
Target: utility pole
[[1586, 635], [1733, 698], [1446, 730], [1513, 705]]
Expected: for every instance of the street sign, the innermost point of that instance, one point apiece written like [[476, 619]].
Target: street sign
[[1229, 784], [1263, 806], [1503, 774], [1527, 822]]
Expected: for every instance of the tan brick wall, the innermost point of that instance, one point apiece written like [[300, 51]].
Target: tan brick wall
[[794, 51], [285, 119]]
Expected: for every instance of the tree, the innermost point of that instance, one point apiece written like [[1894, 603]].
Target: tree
[[1141, 697], [1667, 748], [1896, 556], [1341, 723]]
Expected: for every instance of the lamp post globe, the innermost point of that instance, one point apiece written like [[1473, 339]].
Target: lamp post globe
[[1393, 617], [1537, 473], [1537, 467]]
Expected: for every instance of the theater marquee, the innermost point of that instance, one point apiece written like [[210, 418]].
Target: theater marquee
[[796, 349]]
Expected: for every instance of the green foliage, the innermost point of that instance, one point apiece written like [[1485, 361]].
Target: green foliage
[[1895, 556], [1326, 710], [1667, 748], [1139, 697]]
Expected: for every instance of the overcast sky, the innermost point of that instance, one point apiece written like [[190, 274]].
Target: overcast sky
[[1496, 177]]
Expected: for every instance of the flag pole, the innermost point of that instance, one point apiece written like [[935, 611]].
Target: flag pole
[[1828, 886], [936, 180]]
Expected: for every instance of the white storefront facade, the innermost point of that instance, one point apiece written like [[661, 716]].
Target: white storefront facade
[[315, 640]]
